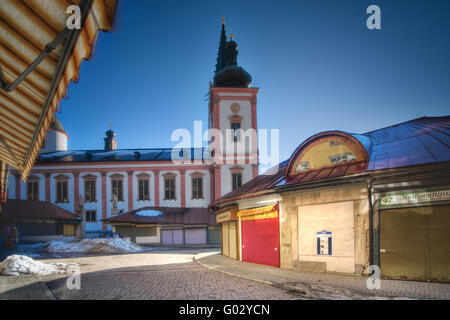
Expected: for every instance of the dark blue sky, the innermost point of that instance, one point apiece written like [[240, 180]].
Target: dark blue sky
[[317, 66]]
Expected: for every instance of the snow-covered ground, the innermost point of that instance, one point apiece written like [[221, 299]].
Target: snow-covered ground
[[17, 264], [98, 245]]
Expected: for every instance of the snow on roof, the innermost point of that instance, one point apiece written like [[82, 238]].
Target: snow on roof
[[152, 154], [149, 213]]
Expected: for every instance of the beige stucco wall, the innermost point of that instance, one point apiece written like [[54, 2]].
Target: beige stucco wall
[[343, 210]]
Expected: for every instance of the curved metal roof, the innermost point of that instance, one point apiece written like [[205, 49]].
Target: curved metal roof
[[420, 141]]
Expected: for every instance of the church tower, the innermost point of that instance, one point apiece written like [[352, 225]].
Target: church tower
[[232, 115]]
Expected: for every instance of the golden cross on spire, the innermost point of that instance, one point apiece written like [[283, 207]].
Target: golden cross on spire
[[110, 125], [231, 35], [223, 19]]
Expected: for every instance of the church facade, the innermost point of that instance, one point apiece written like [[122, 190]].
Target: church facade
[[147, 189]]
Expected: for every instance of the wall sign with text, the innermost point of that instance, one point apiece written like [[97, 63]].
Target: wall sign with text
[[414, 198]]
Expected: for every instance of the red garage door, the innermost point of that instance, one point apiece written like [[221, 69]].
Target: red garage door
[[260, 241]]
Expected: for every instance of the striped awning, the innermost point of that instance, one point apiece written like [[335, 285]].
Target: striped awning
[[29, 28]]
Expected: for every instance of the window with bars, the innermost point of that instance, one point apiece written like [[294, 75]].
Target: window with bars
[[197, 188], [169, 187], [33, 190], [237, 179], [117, 189], [144, 190], [89, 191], [91, 216]]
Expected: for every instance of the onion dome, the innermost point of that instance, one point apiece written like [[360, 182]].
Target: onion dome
[[230, 75]]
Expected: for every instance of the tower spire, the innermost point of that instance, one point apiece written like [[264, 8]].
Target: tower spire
[[222, 52]]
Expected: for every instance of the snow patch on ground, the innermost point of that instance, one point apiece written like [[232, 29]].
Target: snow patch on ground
[[149, 213], [99, 245], [17, 264]]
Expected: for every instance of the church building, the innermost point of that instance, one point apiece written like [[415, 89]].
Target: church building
[[145, 194]]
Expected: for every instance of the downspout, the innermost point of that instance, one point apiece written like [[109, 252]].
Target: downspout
[[371, 233]]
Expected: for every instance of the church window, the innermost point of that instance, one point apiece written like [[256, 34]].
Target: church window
[[62, 182], [117, 187], [33, 188], [143, 187], [169, 187]]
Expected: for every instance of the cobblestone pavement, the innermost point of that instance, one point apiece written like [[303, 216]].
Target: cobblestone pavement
[[172, 274], [324, 286], [154, 275]]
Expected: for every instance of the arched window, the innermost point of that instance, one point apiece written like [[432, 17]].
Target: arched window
[[327, 151]]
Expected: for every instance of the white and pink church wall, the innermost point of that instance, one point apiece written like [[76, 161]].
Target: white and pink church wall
[[232, 110]]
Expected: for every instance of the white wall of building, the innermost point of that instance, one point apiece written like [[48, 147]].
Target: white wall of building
[[170, 203], [55, 141], [143, 203], [206, 189], [225, 113], [97, 205], [23, 188], [70, 192], [226, 179], [121, 205]]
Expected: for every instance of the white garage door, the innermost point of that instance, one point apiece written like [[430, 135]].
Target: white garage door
[[172, 236], [196, 236]]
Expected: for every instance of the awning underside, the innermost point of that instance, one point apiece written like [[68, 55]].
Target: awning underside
[[26, 28]]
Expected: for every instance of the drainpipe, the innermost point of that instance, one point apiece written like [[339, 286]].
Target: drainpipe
[[371, 233]]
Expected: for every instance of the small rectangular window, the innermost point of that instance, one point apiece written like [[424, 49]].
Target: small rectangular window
[[91, 216], [235, 126], [117, 189], [237, 180], [197, 188], [89, 191], [144, 192], [169, 187], [33, 190], [61, 191]]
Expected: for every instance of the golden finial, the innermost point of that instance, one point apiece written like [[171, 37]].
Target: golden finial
[[223, 19], [231, 35]]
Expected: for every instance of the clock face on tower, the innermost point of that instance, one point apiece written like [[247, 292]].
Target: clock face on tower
[[235, 107]]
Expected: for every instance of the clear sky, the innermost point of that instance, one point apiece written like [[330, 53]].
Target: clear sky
[[317, 65]]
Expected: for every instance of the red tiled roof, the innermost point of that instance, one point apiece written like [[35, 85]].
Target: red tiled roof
[[170, 215], [29, 209], [259, 183]]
